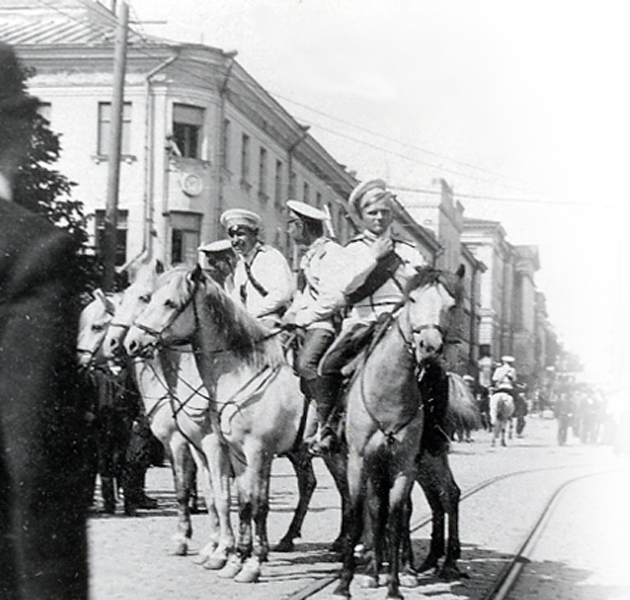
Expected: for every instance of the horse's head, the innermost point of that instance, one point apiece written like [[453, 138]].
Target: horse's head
[[133, 301], [93, 326], [431, 297], [168, 318]]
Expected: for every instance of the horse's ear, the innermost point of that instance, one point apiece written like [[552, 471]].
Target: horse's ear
[[196, 274], [109, 305], [461, 271], [159, 266]]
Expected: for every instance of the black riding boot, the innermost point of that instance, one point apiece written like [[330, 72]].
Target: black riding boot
[[434, 392], [325, 391]]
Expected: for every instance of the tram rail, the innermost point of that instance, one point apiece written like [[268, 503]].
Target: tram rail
[[505, 581]]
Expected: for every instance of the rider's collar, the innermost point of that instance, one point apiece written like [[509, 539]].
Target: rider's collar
[[249, 257]]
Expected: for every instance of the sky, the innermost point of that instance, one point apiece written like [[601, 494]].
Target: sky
[[523, 107]]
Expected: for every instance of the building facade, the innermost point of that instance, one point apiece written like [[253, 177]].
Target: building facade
[[199, 134]]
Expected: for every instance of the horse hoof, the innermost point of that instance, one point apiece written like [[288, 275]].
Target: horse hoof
[[284, 545], [232, 568], [250, 573], [409, 580], [343, 589], [369, 582], [180, 549], [214, 563]]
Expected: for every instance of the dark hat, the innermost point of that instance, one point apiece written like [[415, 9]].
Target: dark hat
[[13, 96]]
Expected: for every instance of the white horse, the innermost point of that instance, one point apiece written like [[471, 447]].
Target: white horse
[[256, 396], [501, 411], [176, 404]]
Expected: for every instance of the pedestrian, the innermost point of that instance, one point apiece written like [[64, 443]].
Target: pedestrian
[[43, 427], [263, 282], [316, 308]]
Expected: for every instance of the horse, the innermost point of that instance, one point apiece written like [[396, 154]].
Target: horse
[[256, 398], [501, 411], [384, 422], [176, 404]]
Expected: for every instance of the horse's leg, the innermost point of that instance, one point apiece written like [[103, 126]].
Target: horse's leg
[[409, 577], [306, 480], [180, 454], [244, 541], [429, 478], [354, 519], [337, 467], [450, 502], [397, 497], [260, 512], [377, 489], [216, 471]]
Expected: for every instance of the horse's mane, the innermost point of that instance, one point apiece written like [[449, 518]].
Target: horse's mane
[[242, 333], [428, 276]]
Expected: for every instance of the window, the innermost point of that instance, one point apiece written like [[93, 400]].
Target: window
[[121, 234], [245, 142], [187, 127], [318, 200], [278, 192], [225, 157], [262, 174], [104, 128], [306, 193], [184, 237]]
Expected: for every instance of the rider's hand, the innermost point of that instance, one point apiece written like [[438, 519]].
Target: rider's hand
[[381, 247]]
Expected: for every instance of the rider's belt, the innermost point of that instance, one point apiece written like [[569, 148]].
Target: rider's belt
[[384, 270]]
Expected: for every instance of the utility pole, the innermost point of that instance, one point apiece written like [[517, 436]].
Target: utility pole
[[115, 145]]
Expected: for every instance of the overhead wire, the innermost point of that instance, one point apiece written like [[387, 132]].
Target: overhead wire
[[253, 99]]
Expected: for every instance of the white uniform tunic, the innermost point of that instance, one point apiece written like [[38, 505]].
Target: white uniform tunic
[[359, 259], [269, 269], [322, 295], [504, 377]]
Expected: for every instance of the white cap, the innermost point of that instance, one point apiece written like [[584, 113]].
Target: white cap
[[507, 359], [240, 216], [218, 246], [306, 210]]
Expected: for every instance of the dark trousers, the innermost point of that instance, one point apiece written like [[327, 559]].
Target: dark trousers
[[347, 345]]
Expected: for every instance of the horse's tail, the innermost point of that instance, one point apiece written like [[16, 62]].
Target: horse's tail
[[462, 411]]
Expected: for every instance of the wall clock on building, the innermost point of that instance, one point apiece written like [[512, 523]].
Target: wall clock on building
[[192, 184]]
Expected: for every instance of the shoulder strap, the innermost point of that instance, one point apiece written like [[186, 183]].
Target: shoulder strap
[[384, 270], [259, 287]]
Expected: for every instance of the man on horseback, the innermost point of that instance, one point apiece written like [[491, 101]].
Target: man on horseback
[[504, 377], [317, 303], [377, 267], [220, 263], [263, 282]]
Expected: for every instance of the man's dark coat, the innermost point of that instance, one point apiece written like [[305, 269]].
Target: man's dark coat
[[43, 547]]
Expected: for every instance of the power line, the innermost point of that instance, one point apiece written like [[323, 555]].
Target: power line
[[113, 20], [402, 143]]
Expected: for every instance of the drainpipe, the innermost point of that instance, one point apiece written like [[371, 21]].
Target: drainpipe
[[220, 147], [149, 151]]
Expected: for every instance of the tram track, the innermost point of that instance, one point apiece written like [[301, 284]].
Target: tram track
[[506, 580], [508, 576]]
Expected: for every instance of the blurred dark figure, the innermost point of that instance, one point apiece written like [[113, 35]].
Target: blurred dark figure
[[564, 412], [124, 440], [43, 542], [520, 409]]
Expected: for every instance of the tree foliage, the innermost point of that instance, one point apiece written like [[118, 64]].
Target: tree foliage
[[42, 189]]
